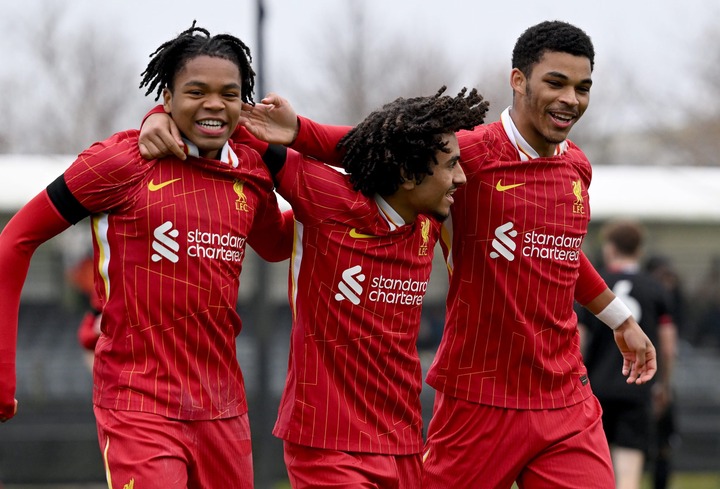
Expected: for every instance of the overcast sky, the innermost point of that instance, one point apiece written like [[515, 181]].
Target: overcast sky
[[658, 39]]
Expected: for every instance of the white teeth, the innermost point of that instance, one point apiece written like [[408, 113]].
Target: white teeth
[[210, 124]]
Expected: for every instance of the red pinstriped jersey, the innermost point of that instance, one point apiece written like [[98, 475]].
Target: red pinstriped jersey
[[358, 280], [170, 238], [510, 336]]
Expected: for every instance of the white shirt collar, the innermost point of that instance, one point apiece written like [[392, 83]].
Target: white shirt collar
[[227, 155], [389, 214], [524, 149]]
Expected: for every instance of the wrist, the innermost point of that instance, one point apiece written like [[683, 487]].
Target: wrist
[[614, 314], [296, 132]]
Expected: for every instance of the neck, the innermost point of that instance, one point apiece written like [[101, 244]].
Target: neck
[[530, 137], [398, 206]]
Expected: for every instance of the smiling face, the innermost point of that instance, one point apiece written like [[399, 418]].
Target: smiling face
[[434, 194], [547, 104], [205, 102]]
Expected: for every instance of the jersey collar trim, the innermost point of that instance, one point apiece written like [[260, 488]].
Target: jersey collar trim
[[389, 214], [524, 149], [227, 155]]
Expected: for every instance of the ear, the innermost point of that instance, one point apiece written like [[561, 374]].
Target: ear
[[408, 184], [167, 100], [518, 82]]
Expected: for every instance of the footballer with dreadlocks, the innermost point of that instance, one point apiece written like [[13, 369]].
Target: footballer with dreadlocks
[[350, 413], [513, 400], [169, 241]]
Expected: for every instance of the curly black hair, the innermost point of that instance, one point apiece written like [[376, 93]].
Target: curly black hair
[[553, 36], [400, 141], [171, 56]]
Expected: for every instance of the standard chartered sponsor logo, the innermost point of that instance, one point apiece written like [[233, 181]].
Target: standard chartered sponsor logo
[[380, 289], [349, 286], [552, 246], [201, 244], [503, 243], [558, 247], [165, 244], [216, 246]]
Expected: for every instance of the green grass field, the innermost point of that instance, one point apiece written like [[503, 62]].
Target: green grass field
[[688, 480], [692, 481]]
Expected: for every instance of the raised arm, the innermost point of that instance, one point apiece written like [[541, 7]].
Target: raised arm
[[275, 121], [160, 136], [272, 120]]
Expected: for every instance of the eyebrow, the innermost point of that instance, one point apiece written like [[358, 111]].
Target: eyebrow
[[559, 74], [205, 85]]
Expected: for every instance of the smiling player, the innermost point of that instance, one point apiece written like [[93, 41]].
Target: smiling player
[[514, 402], [169, 241], [350, 413]]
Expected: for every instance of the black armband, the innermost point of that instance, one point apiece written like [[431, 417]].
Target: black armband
[[65, 202]]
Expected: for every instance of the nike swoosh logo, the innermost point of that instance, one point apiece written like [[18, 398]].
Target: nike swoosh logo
[[153, 187], [354, 234], [502, 188]]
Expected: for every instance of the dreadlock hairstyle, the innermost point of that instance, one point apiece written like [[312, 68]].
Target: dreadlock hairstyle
[[554, 36], [399, 141], [171, 56]]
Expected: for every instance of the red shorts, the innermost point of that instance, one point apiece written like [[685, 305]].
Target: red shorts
[[147, 450], [317, 467], [473, 445]]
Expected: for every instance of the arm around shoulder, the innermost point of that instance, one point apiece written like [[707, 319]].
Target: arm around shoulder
[[319, 141]]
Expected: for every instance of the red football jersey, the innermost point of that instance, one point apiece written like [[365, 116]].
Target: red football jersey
[[170, 237], [358, 278], [517, 226], [511, 337]]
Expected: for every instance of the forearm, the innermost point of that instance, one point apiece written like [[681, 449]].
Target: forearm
[[612, 311], [34, 224], [592, 292], [158, 109], [240, 135], [600, 301], [319, 141]]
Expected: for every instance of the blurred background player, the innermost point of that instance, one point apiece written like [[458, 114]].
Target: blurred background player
[[666, 437], [628, 410]]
